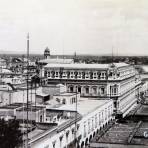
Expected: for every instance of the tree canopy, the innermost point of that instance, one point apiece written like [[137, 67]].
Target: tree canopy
[[10, 134]]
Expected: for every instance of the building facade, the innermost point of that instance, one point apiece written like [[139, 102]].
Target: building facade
[[118, 81], [83, 127]]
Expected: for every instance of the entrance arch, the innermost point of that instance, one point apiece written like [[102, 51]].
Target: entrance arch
[[86, 141], [82, 144], [94, 134], [90, 138]]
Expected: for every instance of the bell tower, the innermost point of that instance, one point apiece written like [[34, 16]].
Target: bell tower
[[47, 53]]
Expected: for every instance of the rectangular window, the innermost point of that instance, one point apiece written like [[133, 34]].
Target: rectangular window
[[115, 104], [102, 75], [94, 90], [86, 75], [102, 90], [49, 74], [87, 90]]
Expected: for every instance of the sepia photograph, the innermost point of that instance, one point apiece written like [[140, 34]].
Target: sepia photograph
[[74, 74]]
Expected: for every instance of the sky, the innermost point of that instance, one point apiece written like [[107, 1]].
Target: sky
[[94, 27]]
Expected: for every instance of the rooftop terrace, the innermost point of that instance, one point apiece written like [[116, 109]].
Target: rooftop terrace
[[85, 105]]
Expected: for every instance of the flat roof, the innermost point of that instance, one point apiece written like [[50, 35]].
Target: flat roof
[[39, 134], [39, 130], [65, 94], [12, 106], [85, 66], [85, 105], [56, 60], [31, 108]]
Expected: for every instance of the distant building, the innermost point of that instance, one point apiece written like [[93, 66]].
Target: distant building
[[10, 96], [3, 63], [35, 113], [19, 111], [118, 81], [44, 94]]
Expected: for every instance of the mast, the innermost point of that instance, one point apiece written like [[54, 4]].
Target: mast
[[112, 55], [27, 83]]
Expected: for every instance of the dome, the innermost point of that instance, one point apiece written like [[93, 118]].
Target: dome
[[47, 49]]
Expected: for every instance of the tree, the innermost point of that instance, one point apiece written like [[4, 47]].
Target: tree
[[10, 134]]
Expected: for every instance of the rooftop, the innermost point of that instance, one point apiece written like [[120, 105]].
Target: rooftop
[[31, 108], [85, 105], [12, 106], [39, 130], [48, 129], [56, 60], [145, 68], [85, 66]]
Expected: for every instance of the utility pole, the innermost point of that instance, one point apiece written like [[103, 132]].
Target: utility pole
[[76, 144], [27, 83], [112, 55]]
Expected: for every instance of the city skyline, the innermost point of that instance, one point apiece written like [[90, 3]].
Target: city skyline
[[68, 26]]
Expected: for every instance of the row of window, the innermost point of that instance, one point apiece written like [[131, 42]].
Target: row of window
[[87, 90], [75, 74], [114, 90], [64, 101]]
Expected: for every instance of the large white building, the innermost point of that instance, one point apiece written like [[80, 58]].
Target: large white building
[[65, 125], [118, 81]]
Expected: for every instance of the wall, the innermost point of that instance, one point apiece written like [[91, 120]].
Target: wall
[[50, 140]]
